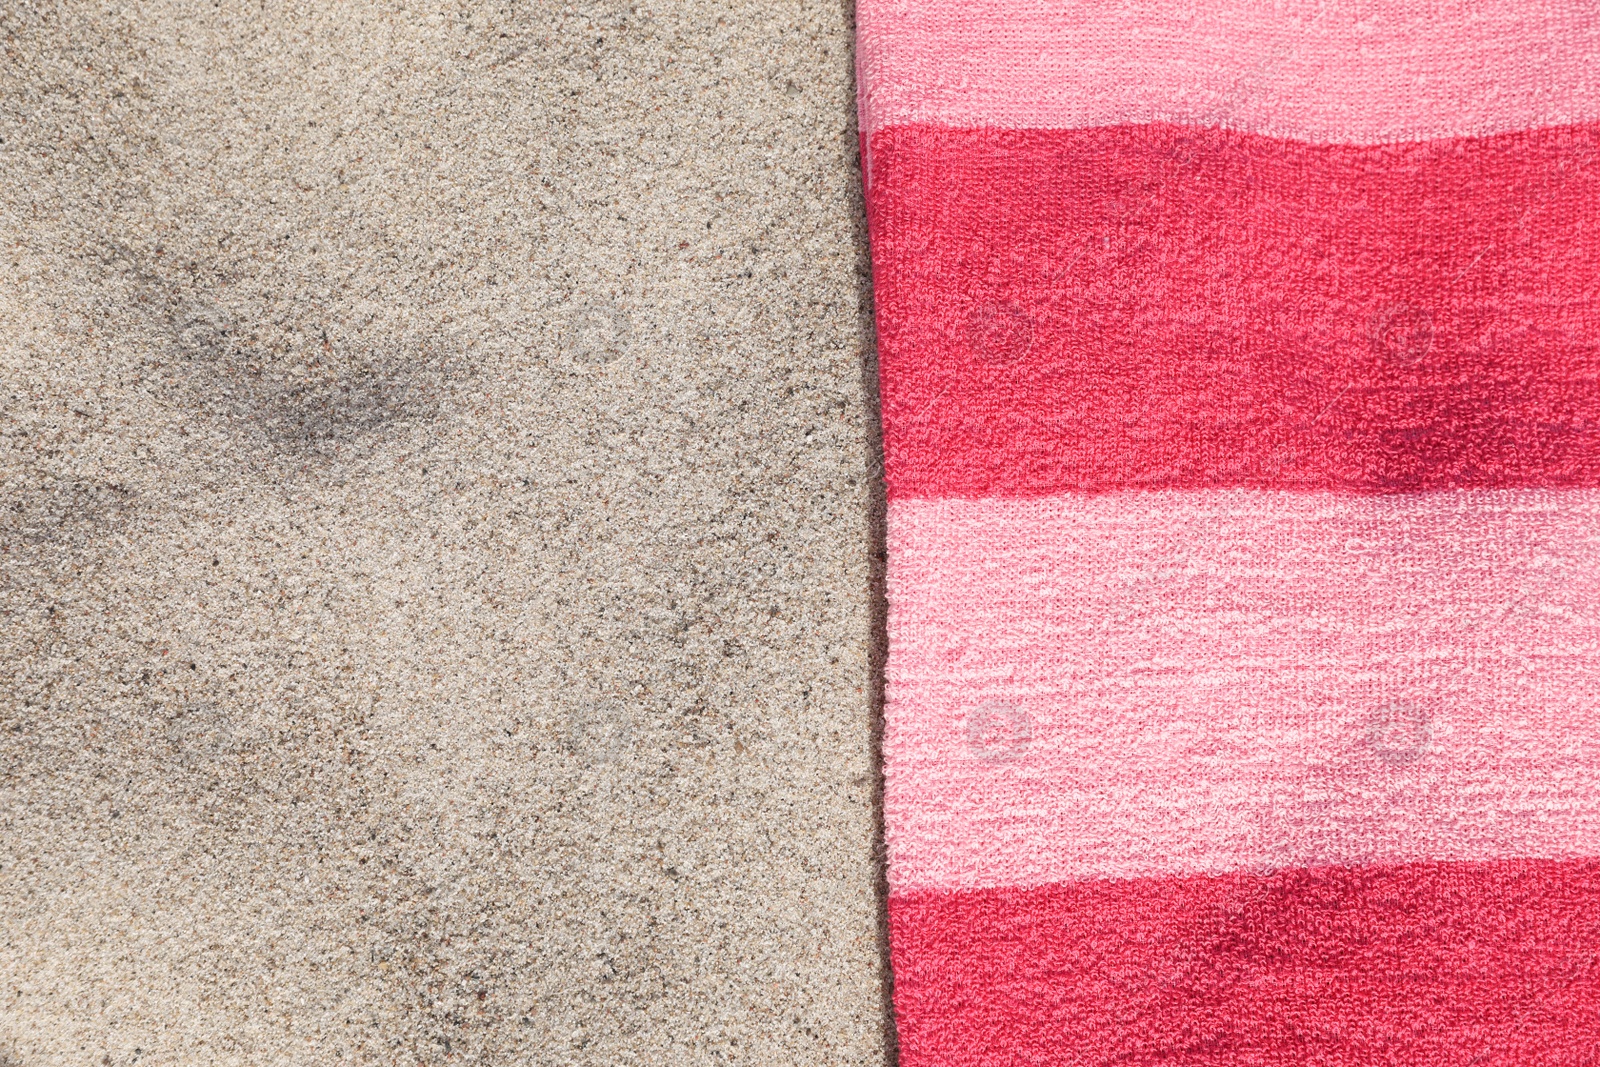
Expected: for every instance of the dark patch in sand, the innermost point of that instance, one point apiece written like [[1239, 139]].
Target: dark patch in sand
[[41, 509]]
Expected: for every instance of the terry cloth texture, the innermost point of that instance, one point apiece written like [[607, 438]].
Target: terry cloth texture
[[1241, 407]]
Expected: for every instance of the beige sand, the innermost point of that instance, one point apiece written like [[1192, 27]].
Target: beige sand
[[437, 476]]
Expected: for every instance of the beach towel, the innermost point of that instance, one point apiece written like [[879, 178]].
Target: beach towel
[[1241, 419]]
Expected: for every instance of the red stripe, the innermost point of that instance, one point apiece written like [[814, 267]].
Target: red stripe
[[1473, 963], [1158, 306]]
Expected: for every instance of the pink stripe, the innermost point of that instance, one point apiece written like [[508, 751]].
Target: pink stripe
[[1360, 71], [1077, 310], [1173, 682], [1436, 964]]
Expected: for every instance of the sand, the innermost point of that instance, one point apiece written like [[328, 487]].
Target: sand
[[437, 536]]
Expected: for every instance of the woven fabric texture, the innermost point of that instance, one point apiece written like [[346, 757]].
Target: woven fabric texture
[[1241, 409]]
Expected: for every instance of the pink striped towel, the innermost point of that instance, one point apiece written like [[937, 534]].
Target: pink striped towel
[[1241, 401]]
